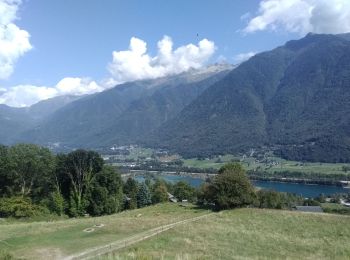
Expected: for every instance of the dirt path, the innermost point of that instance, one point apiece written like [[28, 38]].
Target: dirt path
[[98, 251]]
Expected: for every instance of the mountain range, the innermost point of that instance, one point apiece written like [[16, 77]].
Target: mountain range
[[293, 100]]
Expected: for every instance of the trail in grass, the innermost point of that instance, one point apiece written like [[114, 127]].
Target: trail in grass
[[98, 251]]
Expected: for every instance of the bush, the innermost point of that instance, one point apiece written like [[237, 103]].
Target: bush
[[311, 202], [56, 203], [269, 199], [277, 200], [20, 207]]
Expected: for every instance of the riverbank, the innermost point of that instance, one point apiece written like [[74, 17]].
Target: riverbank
[[252, 176]]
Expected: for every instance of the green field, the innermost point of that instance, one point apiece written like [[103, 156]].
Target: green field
[[274, 164], [241, 233], [57, 239], [250, 234]]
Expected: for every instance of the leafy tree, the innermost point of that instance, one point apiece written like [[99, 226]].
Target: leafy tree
[[56, 203], [31, 168], [269, 199], [81, 168], [184, 191], [105, 196], [159, 192], [6, 182], [143, 196], [130, 190], [148, 182], [231, 188], [205, 193]]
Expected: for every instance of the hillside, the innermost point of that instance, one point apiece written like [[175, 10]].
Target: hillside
[[13, 121], [293, 99], [241, 233], [125, 113]]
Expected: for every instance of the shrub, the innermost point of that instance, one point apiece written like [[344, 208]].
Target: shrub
[[311, 202], [20, 207], [56, 203], [269, 199]]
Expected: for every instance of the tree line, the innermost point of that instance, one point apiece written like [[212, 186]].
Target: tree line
[[34, 181]]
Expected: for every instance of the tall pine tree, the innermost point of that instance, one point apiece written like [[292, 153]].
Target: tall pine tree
[[143, 196]]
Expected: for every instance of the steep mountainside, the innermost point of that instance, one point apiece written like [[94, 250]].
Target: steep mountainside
[[125, 113], [294, 98], [13, 120]]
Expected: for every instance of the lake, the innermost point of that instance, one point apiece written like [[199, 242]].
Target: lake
[[305, 190]]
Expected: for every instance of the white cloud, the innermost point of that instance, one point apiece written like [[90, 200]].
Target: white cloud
[[302, 16], [27, 95], [129, 65], [77, 86], [136, 64], [243, 56], [14, 42]]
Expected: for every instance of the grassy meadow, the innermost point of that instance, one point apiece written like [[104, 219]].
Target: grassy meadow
[[250, 234], [56, 239], [240, 234]]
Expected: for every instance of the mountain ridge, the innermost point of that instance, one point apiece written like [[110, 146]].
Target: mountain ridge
[[258, 104]]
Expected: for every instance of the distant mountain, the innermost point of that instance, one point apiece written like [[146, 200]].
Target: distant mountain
[[294, 99], [47, 107], [125, 113], [14, 121]]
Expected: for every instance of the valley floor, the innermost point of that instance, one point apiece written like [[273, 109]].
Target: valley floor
[[241, 233]]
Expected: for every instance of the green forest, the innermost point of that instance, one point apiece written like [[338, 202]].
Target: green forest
[[36, 182]]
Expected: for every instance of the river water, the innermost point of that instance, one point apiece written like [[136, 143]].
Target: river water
[[305, 190]]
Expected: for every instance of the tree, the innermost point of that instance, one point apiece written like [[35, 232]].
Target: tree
[[143, 196], [81, 167], [6, 182], [130, 190], [106, 193], [269, 199], [56, 203], [231, 188], [31, 169], [159, 192], [183, 191]]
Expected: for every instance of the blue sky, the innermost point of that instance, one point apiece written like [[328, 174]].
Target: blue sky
[[76, 38], [71, 42]]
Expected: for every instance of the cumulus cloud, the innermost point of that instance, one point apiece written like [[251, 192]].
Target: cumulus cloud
[[14, 42], [77, 86], [243, 56], [302, 16], [27, 95], [136, 64], [129, 65]]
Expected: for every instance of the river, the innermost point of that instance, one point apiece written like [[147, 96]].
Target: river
[[305, 190]]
